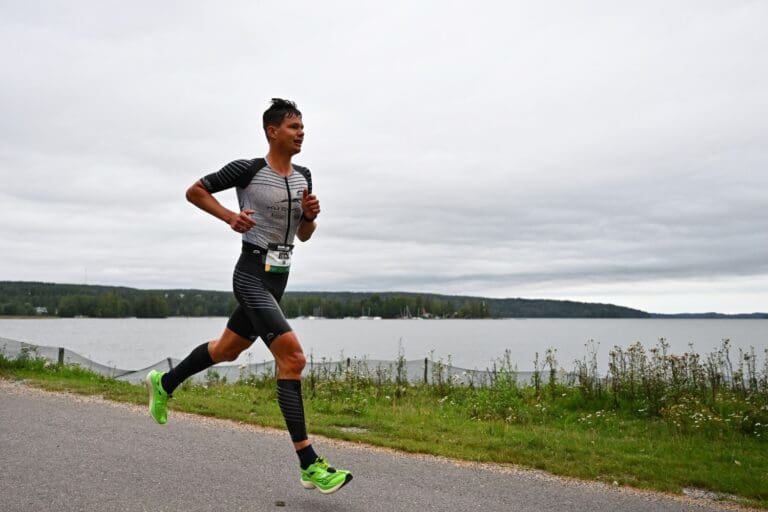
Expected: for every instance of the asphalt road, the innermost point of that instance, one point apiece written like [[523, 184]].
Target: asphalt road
[[60, 452]]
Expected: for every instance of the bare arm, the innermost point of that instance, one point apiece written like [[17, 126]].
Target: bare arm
[[200, 197]]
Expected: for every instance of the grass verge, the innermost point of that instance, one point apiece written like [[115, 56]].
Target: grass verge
[[554, 428]]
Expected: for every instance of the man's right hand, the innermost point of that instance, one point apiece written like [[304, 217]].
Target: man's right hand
[[242, 222]]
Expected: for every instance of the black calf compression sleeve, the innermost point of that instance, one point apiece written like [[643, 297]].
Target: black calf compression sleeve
[[292, 407], [198, 360]]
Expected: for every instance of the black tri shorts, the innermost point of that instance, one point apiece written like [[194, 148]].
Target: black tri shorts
[[258, 293]]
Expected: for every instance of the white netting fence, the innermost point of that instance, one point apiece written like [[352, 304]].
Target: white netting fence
[[413, 371]]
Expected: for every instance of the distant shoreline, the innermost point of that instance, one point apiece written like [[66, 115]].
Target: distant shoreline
[[28, 298], [654, 316], [711, 316]]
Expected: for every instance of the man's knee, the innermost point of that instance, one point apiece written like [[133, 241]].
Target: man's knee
[[293, 362], [289, 356]]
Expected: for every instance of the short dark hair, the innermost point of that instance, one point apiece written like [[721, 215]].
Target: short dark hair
[[279, 110]]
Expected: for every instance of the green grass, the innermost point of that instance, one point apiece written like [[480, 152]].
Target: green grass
[[558, 429]]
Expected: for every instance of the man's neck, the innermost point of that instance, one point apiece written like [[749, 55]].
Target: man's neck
[[280, 162]]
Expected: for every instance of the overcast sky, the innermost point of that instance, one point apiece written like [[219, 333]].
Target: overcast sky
[[599, 151]]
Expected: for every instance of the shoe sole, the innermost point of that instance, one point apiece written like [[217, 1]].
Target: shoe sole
[[310, 485]]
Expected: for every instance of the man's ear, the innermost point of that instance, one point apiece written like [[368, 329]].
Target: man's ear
[[271, 130]]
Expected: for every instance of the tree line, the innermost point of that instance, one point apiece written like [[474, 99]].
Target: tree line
[[123, 302], [66, 300]]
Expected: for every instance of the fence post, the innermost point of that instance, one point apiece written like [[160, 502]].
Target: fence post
[[61, 355], [348, 362], [170, 363], [426, 364]]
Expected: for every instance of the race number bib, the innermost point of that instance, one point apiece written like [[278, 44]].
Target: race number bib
[[278, 258]]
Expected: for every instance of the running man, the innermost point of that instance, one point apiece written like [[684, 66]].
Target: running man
[[276, 205]]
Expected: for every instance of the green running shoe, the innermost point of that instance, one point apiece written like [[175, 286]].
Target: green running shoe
[[158, 398], [322, 476]]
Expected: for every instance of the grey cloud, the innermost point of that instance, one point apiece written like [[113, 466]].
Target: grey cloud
[[581, 146]]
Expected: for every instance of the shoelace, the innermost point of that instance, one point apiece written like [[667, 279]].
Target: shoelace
[[324, 464]]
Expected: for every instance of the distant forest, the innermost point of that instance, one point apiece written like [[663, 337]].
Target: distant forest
[[68, 300]]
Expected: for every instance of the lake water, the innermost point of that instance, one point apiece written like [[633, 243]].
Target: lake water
[[132, 343]]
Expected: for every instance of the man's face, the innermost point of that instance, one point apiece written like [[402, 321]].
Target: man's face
[[289, 135]]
